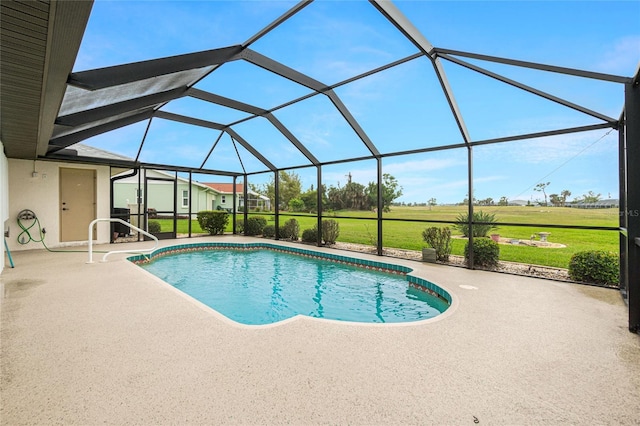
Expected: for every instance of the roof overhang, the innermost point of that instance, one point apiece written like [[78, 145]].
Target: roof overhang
[[40, 42]]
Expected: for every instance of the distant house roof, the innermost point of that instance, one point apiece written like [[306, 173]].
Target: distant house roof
[[227, 188]]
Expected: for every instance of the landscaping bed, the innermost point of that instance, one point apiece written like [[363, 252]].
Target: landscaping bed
[[538, 271]]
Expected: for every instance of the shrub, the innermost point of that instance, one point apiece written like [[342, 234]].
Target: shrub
[[486, 252], [239, 226], [153, 227], [595, 266], [296, 205], [269, 231], [330, 231], [439, 239], [213, 221], [310, 235], [462, 224], [290, 230], [254, 225]]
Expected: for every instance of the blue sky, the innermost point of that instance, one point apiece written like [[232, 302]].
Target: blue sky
[[400, 109]]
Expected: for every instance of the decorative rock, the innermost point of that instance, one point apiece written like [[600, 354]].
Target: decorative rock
[[558, 274]]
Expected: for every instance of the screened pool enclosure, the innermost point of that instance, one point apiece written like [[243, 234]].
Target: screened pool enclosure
[[446, 123]]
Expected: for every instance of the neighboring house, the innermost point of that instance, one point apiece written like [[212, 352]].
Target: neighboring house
[[160, 187], [256, 201]]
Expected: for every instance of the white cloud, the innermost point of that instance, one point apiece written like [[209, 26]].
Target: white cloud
[[623, 57]]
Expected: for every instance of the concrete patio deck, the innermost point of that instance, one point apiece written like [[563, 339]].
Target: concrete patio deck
[[108, 343]]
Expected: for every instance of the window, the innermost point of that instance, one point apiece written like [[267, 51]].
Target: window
[[223, 199], [185, 198]]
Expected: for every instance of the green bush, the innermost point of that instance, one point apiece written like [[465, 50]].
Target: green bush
[[290, 230], [462, 224], [486, 252], [595, 266], [296, 205], [439, 239], [153, 227], [310, 235], [330, 231], [213, 221], [269, 231], [239, 226], [254, 225]]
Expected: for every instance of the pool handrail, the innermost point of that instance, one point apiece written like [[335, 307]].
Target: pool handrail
[[104, 258]]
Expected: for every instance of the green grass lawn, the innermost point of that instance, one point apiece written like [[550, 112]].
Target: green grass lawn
[[408, 235]]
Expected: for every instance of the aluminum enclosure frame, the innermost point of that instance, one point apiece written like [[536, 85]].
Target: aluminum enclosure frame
[[94, 121]]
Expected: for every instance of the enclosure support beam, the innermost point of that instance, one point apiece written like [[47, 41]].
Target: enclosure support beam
[[397, 18], [319, 223], [175, 204], [622, 208], [333, 97], [288, 14], [380, 205], [632, 123], [544, 67], [451, 100], [59, 142], [276, 190], [122, 74], [190, 213], [245, 205], [530, 89], [287, 134], [470, 264], [235, 203], [251, 149]]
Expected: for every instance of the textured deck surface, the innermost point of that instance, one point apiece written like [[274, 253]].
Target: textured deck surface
[[107, 343]]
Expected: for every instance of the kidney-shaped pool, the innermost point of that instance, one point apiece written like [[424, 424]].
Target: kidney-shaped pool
[[264, 283]]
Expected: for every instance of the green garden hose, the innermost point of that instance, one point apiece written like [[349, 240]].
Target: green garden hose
[[25, 236]]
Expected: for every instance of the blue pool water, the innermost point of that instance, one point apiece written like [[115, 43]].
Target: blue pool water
[[264, 286]]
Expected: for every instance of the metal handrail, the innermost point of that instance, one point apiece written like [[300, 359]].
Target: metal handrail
[[104, 258]]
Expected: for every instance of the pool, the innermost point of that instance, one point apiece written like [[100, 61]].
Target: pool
[[262, 283]]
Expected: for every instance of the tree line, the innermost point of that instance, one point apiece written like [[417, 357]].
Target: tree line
[[351, 196], [555, 200]]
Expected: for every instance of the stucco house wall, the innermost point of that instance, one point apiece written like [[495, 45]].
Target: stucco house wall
[[41, 195]]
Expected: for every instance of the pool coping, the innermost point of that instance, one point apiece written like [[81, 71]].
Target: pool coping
[[414, 279]]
